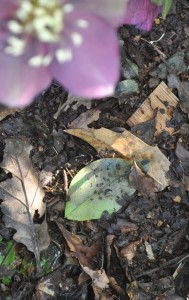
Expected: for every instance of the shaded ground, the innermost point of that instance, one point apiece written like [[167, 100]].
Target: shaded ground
[[149, 261]]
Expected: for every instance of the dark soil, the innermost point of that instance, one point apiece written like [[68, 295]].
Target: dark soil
[[56, 156]]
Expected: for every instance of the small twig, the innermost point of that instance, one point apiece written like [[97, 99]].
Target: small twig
[[61, 108], [53, 203], [68, 171], [55, 150], [172, 262], [65, 181], [180, 266], [152, 42], [162, 55]]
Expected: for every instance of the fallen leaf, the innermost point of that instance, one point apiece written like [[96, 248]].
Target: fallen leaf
[[85, 119], [22, 197], [177, 60], [74, 103], [109, 241], [4, 112], [83, 253], [182, 87], [182, 154], [145, 131], [113, 283], [48, 286], [97, 188], [98, 277], [129, 251], [128, 146], [145, 290], [143, 183], [100, 284], [156, 101], [119, 290], [133, 290], [122, 226], [183, 91]]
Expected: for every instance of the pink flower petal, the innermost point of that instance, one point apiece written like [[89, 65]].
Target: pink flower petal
[[141, 13], [110, 10], [19, 83], [7, 8], [94, 68]]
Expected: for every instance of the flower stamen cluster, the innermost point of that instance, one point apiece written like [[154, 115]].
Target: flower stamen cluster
[[43, 20]]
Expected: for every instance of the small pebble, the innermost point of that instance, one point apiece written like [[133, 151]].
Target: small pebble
[[153, 82], [40, 149]]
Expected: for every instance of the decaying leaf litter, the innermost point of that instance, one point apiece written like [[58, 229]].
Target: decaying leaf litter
[[22, 196], [141, 250]]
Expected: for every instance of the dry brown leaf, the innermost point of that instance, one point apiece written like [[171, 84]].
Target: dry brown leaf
[[143, 183], [148, 290], [98, 277], [109, 242], [127, 146], [48, 287], [85, 119], [129, 251], [74, 103], [133, 290], [116, 286], [22, 197], [121, 226], [4, 112], [83, 253], [182, 154], [102, 294], [157, 99]]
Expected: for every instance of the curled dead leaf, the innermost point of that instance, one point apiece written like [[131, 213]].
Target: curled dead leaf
[[83, 253], [144, 184], [129, 251], [98, 277], [127, 146]]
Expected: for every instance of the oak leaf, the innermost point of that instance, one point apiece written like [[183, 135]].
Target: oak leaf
[[22, 197]]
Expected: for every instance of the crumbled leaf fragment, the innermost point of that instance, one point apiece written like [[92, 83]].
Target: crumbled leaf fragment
[[98, 277], [27, 267], [83, 253], [6, 280], [143, 183]]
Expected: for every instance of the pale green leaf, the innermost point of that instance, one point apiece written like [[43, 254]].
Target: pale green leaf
[[97, 188], [166, 5]]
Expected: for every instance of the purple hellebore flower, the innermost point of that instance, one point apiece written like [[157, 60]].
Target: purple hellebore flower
[[141, 13], [73, 41]]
